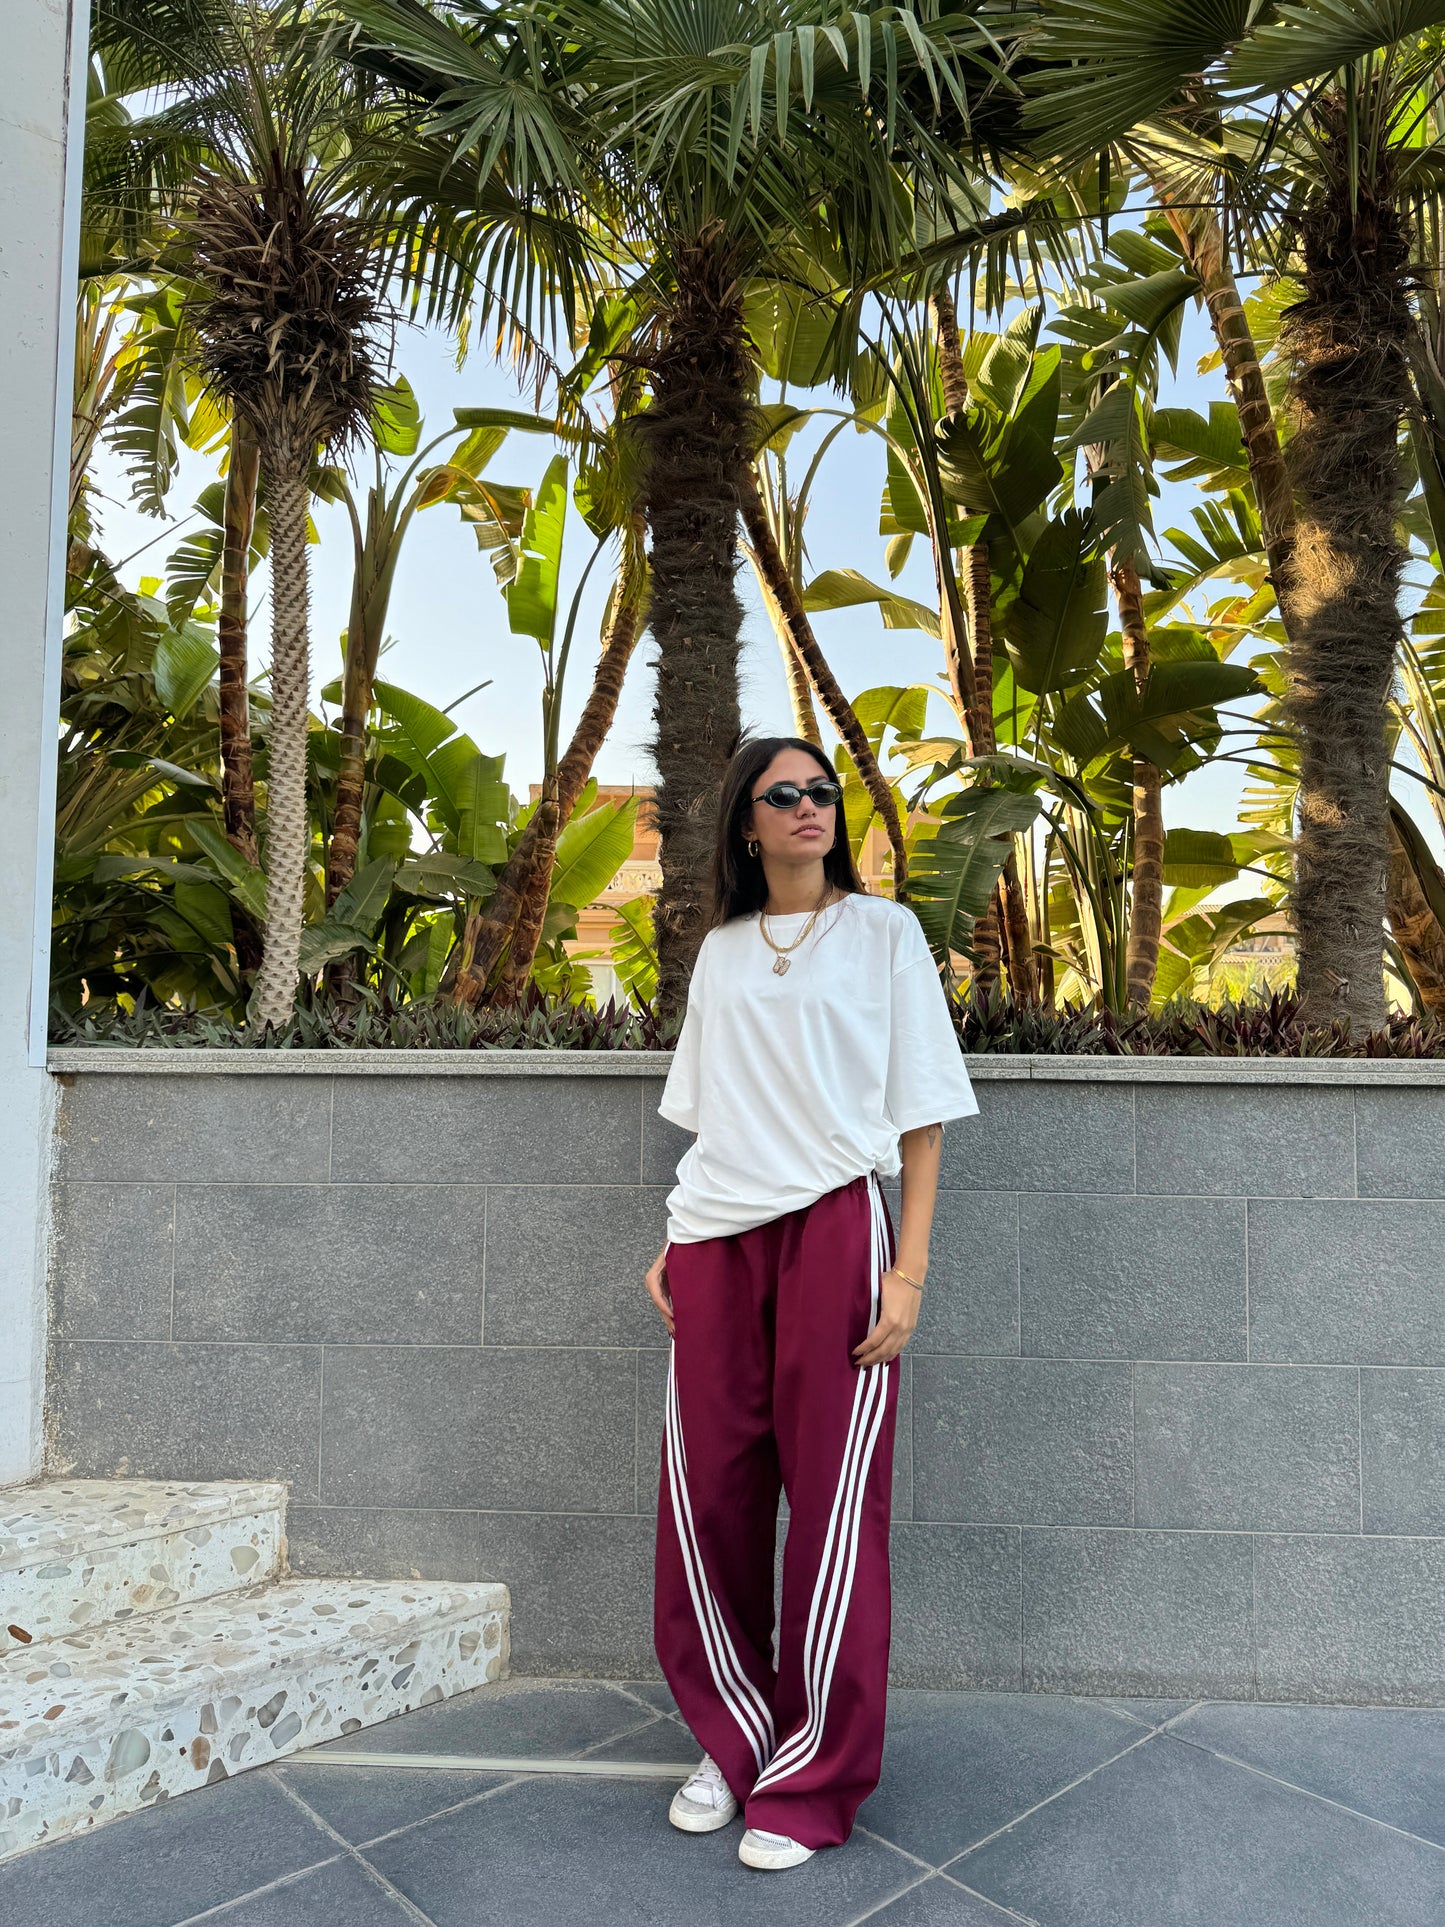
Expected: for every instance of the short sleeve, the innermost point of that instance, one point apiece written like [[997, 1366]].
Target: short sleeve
[[678, 1103], [928, 1082]]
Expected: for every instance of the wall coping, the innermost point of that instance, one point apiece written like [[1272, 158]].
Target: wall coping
[[105, 1060]]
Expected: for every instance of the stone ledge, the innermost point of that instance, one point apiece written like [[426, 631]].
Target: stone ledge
[[68, 1518], [111, 1720], [79, 1553], [1371, 1072]]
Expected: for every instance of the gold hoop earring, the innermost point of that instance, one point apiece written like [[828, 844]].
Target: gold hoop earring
[[753, 847]]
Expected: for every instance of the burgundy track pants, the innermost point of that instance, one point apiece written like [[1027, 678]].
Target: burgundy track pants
[[763, 1392]]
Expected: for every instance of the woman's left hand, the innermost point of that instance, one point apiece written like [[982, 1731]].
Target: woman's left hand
[[897, 1321]]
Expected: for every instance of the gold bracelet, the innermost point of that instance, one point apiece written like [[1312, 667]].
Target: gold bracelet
[[906, 1279]]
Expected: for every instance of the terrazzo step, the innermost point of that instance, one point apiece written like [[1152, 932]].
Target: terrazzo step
[[108, 1721], [80, 1552]]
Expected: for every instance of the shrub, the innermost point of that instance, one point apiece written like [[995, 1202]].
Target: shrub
[[1268, 1027]]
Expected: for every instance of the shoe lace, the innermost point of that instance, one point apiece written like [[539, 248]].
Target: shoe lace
[[708, 1774]]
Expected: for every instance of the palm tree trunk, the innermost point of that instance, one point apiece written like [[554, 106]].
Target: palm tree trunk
[[989, 928], [573, 771], [1146, 910], [1202, 240], [950, 352], [1023, 975], [514, 912], [1347, 340], [1349, 377], [238, 519], [1421, 941], [1005, 930], [955, 400], [800, 693], [288, 823], [363, 643], [543, 829], [696, 431], [836, 706]]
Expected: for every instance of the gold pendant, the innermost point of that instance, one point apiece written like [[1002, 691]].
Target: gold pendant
[[780, 967]]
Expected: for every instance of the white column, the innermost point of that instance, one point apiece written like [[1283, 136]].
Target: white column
[[38, 238]]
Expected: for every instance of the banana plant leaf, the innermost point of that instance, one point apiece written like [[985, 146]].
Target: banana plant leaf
[[858, 811], [998, 366], [421, 726], [776, 423], [441, 873], [246, 883], [183, 665], [1005, 468], [423, 960], [1054, 629], [901, 514], [590, 852], [891, 706], [365, 897], [396, 419], [532, 594], [512, 418], [1194, 858], [847, 589], [1175, 711], [458, 478], [634, 951], [207, 908], [465, 786], [323, 943], [1421, 858], [791, 330], [474, 790], [496, 515], [1196, 942], [1152, 300], [954, 867], [191, 779]]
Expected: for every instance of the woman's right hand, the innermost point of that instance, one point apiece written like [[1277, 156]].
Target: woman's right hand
[[657, 1288]]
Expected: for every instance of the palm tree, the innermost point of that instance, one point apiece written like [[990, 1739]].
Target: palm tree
[[699, 143], [284, 327], [285, 311], [138, 168], [238, 784], [1321, 166]]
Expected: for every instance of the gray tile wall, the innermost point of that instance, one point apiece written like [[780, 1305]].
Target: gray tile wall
[[1173, 1423]]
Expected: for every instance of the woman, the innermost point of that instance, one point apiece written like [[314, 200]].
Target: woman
[[817, 1052]]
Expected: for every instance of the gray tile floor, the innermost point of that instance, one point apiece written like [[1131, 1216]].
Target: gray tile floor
[[993, 1807]]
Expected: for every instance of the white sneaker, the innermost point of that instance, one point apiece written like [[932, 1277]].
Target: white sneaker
[[771, 1850], [704, 1802]]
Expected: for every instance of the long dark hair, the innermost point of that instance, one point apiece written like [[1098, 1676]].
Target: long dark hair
[[739, 886]]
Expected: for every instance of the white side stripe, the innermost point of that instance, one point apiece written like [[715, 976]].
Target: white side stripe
[[833, 1589], [735, 1689]]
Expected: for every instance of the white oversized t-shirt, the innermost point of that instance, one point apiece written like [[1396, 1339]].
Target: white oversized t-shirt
[[797, 1084]]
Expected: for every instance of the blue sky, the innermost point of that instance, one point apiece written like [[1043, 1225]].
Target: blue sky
[[448, 620]]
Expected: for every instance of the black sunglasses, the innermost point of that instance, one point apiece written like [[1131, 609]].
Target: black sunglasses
[[787, 796]]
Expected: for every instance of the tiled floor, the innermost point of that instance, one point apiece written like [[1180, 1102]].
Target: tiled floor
[[993, 1808]]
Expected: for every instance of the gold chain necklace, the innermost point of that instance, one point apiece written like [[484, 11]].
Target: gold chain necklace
[[783, 952]]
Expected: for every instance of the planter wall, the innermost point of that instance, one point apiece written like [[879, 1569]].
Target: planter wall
[[1174, 1421]]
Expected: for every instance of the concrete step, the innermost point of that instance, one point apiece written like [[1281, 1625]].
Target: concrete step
[[107, 1721], [81, 1552]]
